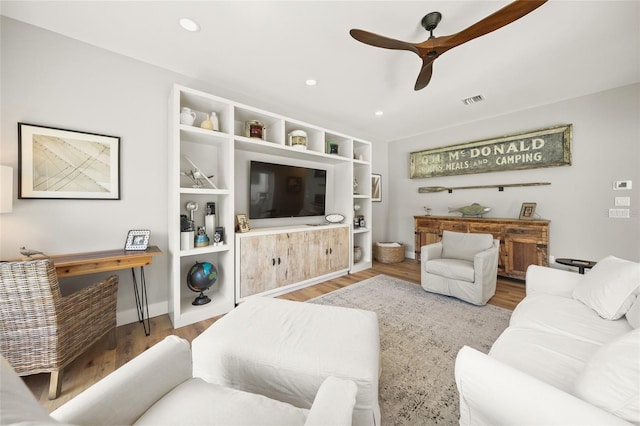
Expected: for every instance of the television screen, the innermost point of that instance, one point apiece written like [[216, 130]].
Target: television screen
[[277, 190]]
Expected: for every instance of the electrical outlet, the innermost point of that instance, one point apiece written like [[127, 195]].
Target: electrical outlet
[[622, 201], [619, 213]]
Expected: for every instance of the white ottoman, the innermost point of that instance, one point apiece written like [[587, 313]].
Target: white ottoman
[[284, 350]]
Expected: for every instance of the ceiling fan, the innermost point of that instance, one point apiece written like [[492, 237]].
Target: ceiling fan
[[430, 49]]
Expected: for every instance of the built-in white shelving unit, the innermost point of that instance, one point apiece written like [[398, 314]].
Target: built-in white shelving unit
[[225, 154]]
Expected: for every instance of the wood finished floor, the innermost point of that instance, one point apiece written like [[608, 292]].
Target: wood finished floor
[[97, 362]]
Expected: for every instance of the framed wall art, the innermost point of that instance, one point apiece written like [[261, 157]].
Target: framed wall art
[[527, 210], [67, 164], [376, 187]]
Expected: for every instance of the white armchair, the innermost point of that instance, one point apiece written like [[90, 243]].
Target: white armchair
[[462, 265], [158, 388]]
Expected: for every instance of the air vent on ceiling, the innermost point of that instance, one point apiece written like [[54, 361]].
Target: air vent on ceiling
[[473, 99]]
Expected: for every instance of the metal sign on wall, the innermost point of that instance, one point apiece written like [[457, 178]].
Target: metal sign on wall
[[549, 147]]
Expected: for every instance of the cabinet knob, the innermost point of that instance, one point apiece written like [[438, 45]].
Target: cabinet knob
[[330, 251], [278, 261], [273, 262]]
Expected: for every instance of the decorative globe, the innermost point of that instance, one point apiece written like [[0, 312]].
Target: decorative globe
[[201, 277]]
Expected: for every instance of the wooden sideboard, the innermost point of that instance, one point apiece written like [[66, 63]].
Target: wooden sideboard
[[522, 242]]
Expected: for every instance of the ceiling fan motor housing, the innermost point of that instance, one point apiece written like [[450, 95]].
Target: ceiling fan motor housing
[[431, 20]]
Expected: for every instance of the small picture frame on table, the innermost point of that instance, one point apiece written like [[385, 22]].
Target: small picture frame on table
[[527, 210], [137, 239], [243, 222]]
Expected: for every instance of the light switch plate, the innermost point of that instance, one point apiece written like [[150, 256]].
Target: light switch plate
[[622, 184], [619, 213], [622, 201]]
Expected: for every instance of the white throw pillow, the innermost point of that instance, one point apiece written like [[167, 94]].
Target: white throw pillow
[[633, 314], [611, 378], [610, 287]]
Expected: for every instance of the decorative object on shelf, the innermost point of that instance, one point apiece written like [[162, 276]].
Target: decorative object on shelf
[[187, 116], [428, 189], [473, 210], [196, 176], [527, 210], [202, 240], [355, 186], [333, 148], [91, 163], [192, 207], [201, 276], [29, 253], [187, 239], [334, 218], [376, 187], [137, 239], [255, 129], [298, 139], [356, 207], [427, 211], [215, 123], [243, 223], [210, 220], [218, 236], [207, 124], [549, 147], [357, 254], [362, 222]]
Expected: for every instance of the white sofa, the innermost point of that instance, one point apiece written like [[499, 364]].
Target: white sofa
[[158, 388], [571, 353]]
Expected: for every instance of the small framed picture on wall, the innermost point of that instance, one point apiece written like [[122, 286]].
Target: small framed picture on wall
[[376, 187]]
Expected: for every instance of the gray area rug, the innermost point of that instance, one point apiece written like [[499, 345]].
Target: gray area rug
[[420, 335]]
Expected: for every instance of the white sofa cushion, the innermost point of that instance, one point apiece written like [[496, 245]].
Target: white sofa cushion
[[464, 246], [610, 287], [214, 404], [566, 316], [553, 358], [633, 314], [454, 269], [610, 378]]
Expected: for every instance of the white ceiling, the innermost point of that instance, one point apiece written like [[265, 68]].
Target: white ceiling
[[267, 49]]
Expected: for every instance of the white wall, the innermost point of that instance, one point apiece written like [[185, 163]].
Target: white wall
[[606, 148], [55, 81]]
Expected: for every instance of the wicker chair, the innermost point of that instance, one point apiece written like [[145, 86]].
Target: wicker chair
[[41, 331]]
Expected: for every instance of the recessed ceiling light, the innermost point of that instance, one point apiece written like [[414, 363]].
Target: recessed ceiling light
[[189, 24], [311, 82], [379, 113]]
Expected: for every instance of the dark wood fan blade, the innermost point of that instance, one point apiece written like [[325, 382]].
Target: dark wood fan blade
[[377, 40], [425, 74], [499, 19]]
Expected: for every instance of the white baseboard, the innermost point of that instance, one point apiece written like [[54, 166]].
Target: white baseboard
[[131, 315]]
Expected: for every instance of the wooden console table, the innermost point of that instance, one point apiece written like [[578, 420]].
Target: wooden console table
[[522, 242], [70, 265]]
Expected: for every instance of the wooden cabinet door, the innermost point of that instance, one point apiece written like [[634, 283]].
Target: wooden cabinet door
[[257, 264], [328, 250], [524, 246], [291, 258], [338, 248]]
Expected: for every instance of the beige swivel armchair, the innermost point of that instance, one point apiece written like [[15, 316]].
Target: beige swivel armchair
[[462, 265], [40, 330]]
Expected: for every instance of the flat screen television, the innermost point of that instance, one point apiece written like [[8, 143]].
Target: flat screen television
[[278, 190]]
